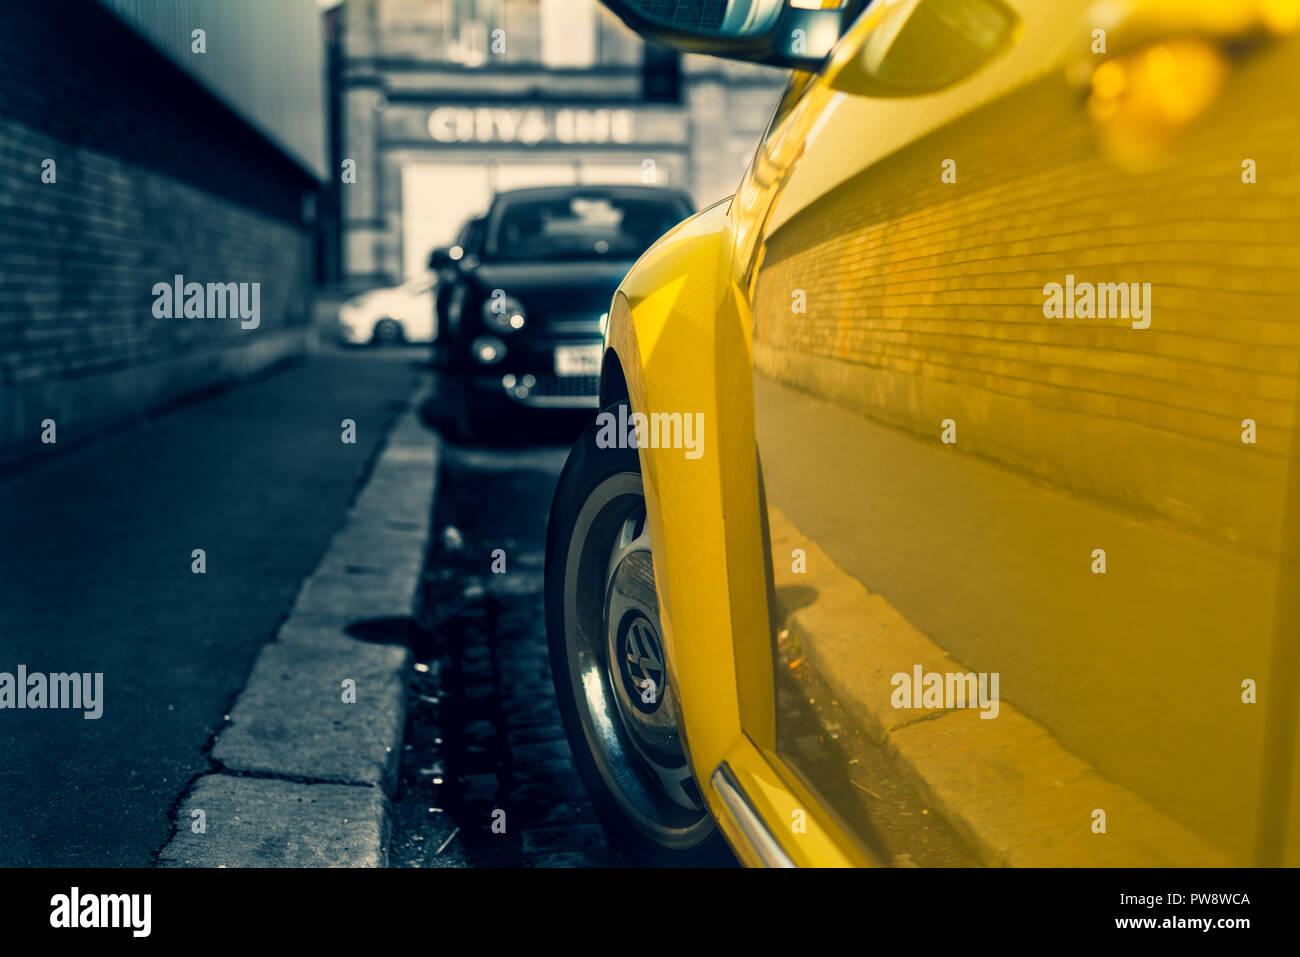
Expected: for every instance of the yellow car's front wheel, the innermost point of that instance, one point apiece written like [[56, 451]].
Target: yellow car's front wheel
[[608, 662]]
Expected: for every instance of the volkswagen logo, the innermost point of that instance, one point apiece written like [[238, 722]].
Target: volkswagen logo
[[641, 663]]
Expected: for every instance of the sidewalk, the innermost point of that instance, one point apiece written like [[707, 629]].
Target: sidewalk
[[309, 757], [96, 576]]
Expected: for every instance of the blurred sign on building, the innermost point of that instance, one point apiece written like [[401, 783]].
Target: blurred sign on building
[[459, 124], [440, 103]]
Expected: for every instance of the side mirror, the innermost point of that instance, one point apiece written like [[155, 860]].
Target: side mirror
[[790, 33], [445, 257]]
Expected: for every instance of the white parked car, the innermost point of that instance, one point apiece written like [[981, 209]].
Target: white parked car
[[402, 313]]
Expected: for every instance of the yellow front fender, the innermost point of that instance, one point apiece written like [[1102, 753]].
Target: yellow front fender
[[680, 334]]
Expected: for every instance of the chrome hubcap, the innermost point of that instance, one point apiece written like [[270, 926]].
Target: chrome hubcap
[[617, 666]]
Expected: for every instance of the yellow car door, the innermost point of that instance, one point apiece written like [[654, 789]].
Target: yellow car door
[[1023, 280]]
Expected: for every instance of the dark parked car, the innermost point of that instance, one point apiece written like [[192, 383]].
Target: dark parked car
[[526, 290]]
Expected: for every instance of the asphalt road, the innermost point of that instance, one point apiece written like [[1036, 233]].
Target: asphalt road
[[95, 576]]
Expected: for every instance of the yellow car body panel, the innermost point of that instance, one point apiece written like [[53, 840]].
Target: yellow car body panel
[[682, 330]]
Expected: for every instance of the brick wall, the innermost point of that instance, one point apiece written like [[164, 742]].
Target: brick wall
[[154, 177]]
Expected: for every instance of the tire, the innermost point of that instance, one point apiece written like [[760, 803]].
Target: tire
[[602, 608], [388, 332], [468, 420]]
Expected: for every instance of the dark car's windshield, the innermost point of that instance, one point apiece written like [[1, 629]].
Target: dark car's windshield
[[471, 237], [579, 225]]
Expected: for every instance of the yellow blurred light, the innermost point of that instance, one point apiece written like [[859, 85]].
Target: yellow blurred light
[[1280, 16], [1108, 80], [1142, 100]]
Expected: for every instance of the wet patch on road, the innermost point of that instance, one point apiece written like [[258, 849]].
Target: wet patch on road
[[486, 776]]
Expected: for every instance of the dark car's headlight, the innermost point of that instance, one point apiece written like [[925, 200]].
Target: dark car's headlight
[[488, 350], [503, 313]]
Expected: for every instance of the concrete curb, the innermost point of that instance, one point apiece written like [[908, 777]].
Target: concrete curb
[[1006, 786], [267, 822], [304, 776]]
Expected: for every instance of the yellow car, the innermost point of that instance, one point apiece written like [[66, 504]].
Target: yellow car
[[944, 508]]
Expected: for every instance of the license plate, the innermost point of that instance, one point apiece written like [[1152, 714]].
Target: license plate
[[578, 360]]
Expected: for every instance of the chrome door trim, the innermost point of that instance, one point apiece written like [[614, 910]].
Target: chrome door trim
[[762, 841]]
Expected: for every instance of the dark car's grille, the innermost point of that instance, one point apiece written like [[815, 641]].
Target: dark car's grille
[[566, 386]]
